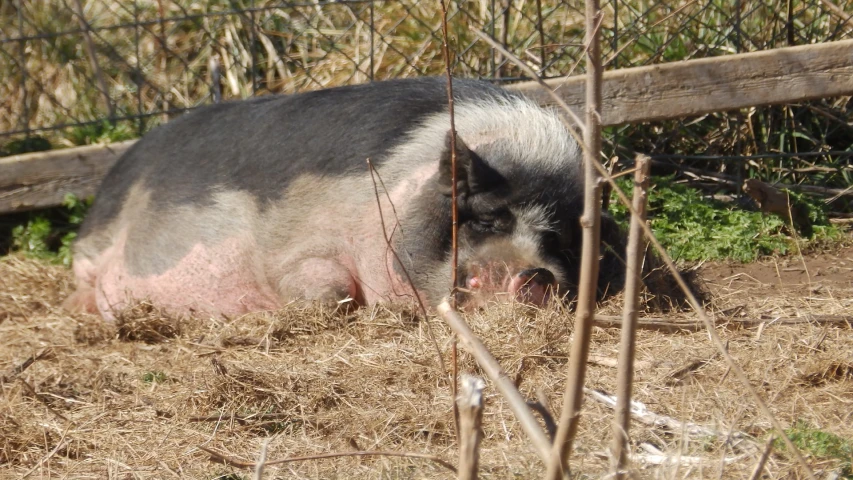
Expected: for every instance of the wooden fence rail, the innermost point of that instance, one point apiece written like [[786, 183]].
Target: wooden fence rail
[[631, 95]]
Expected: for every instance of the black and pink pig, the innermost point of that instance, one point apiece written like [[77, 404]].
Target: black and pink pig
[[248, 205]]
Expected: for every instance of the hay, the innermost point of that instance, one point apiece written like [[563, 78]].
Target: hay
[[139, 397]]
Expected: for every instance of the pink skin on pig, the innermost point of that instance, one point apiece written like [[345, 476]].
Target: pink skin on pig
[[219, 280], [345, 255], [317, 255]]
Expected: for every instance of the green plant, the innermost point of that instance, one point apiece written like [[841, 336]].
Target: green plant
[[102, 132], [154, 376], [694, 228], [49, 234], [820, 444], [25, 145]]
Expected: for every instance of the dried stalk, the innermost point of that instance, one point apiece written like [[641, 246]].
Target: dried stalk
[[454, 208], [24, 365], [93, 60], [759, 467], [529, 71], [373, 175], [627, 346], [233, 462], [712, 333], [694, 303], [262, 459], [470, 402], [499, 377], [215, 78], [837, 11], [588, 282], [642, 414]]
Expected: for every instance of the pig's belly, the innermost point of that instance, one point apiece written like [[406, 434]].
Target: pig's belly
[[220, 279]]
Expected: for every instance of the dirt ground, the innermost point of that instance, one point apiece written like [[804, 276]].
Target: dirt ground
[[140, 398]]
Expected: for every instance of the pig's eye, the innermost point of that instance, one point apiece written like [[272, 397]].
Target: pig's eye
[[551, 241], [483, 225]]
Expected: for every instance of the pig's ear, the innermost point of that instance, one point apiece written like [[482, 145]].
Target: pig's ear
[[473, 175]]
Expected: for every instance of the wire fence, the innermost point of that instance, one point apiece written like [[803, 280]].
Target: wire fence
[[82, 71]]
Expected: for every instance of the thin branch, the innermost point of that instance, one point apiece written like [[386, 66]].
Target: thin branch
[[712, 333], [759, 467], [52, 452], [470, 403], [262, 459], [499, 377], [627, 346], [421, 306], [24, 365], [454, 208], [218, 457], [588, 279], [695, 303], [529, 71]]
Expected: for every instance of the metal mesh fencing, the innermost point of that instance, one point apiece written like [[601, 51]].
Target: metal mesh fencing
[[83, 71]]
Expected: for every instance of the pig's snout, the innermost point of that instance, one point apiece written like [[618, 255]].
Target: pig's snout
[[534, 286]]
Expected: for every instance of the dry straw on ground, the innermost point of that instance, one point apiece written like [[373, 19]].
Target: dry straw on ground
[[84, 399]]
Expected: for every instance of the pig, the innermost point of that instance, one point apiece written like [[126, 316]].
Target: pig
[[248, 205]]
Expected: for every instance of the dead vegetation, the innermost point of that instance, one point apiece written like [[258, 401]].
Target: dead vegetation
[[138, 398]]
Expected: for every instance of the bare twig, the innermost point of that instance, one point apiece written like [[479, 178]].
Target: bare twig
[[58, 446], [262, 459], [759, 467], [421, 306], [93, 60], [470, 403], [652, 323], [694, 302], [712, 333], [627, 347], [215, 78], [837, 11], [454, 382], [454, 208], [529, 71], [499, 377], [588, 281], [739, 441], [24, 365], [218, 457]]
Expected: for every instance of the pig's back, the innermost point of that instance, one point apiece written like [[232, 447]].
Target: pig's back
[[260, 145]]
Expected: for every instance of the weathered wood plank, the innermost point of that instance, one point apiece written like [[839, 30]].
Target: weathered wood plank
[[697, 87], [42, 179], [671, 90]]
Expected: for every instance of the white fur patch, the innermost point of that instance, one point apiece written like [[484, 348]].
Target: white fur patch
[[519, 130], [535, 217]]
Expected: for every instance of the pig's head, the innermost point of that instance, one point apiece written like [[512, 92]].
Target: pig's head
[[519, 230]]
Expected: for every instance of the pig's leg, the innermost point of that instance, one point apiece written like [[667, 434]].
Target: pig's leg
[[319, 279]]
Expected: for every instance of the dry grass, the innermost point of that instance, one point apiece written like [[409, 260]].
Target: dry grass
[[137, 398]]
